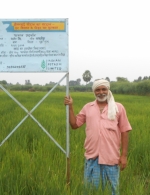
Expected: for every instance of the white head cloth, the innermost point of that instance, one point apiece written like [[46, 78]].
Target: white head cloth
[[112, 107]]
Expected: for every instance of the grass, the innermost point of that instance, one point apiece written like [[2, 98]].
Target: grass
[[31, 164]]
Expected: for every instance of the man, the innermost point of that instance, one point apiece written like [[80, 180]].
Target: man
[[106, 142]]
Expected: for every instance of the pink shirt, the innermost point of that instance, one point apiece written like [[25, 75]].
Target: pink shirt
[[103, 136]]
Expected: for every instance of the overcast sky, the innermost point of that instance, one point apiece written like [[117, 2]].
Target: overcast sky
[[111, 38]]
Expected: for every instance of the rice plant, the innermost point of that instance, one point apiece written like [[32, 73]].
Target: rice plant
[[30, 162]]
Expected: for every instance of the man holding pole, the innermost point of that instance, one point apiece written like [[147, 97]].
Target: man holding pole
[[106, 142]]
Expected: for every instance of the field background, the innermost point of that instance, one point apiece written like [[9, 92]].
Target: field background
[[31, 164]]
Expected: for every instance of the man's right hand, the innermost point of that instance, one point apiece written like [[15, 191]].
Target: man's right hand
[[72, 117], [68, 101]]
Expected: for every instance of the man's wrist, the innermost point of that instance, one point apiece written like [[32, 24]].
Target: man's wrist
[[70, 107], [124, 155]]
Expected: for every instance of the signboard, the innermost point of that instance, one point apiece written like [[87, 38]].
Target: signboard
[[34, 45]]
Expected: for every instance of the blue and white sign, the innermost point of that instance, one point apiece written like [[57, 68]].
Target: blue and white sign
[[34, 45]]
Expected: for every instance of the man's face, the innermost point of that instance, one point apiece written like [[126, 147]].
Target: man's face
[[101, 93]]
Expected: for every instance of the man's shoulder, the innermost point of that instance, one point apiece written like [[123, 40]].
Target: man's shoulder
[[120, 106]]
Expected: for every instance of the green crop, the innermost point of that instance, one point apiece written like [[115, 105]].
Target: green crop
[[31, 164]]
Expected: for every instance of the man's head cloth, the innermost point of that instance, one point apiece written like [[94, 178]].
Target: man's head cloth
[[99, 82]]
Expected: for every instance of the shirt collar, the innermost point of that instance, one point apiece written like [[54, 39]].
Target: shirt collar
[[93, 103]]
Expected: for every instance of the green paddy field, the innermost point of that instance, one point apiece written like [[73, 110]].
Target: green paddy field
[[31, 164]]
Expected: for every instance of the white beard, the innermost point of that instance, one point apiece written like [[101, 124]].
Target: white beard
[[101, 98]]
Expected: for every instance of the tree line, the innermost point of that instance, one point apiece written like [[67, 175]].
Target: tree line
[[140, 86]]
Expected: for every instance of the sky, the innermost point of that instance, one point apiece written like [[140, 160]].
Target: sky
[[110, 38]]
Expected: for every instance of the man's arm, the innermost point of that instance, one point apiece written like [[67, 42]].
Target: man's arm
[[124, 143], [72, 117]]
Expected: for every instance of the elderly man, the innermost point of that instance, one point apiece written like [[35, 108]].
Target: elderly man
[[106, 142]]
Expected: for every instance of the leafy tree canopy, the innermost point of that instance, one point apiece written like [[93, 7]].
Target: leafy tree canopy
[[122, 79], [87, 76]]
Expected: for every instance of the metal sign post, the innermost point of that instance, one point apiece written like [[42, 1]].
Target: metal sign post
[[36, 45], [67, 133]]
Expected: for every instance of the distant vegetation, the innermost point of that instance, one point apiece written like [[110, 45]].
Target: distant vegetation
[[140, 86]]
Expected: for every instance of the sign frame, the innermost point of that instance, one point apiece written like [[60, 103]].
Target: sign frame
[[62, 42]]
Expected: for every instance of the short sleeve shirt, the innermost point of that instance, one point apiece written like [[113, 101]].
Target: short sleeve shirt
[[103, 136]]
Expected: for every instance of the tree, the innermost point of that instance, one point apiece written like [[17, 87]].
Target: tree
[[140, 78], [3, 82], [27, 82], [107, 78], [145, 78], [73, 83], [121, 79], [78, 81], [87, 76]]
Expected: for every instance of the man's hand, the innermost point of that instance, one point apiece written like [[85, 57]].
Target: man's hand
[[123, 162], [68, 101], [72, 117]]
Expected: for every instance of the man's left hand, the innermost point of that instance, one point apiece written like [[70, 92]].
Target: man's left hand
[[123, 162]]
